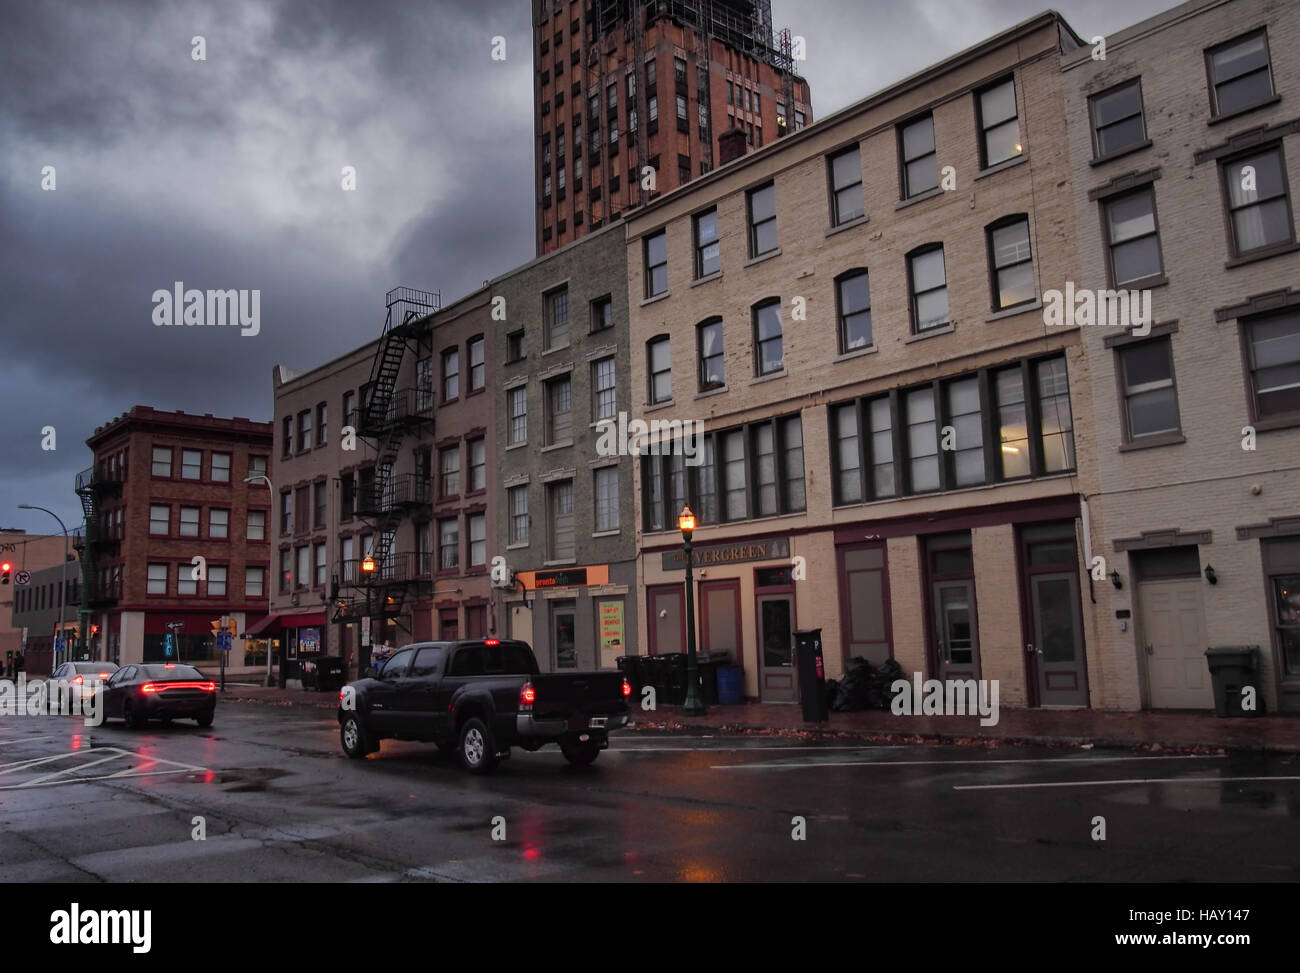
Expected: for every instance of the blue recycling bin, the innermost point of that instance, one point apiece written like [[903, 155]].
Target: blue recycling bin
[[731, 685]]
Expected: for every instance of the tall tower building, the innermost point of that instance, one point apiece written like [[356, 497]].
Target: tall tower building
[[622, 86]]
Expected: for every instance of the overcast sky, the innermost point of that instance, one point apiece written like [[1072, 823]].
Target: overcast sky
[[226, 173]]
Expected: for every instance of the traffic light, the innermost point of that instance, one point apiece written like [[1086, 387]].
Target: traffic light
[[5, 569]]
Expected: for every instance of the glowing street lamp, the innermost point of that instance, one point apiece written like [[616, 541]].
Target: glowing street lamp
[[694, 705]]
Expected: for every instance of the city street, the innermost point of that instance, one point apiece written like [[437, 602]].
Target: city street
[[279, 802]]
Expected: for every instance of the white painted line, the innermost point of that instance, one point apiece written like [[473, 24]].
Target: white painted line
[[34, 761], [740, 749], [1111, 783], [69, 770], [959, 763], [87, 780]]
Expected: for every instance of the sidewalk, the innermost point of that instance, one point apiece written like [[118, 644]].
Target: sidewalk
[[1058, 728]]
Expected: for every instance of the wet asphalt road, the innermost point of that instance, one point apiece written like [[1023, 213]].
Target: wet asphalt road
[[280, 803]]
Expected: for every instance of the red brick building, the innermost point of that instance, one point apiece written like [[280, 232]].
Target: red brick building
[[165, 488], [621, 85]]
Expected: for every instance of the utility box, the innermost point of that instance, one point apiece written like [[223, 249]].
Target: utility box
[[812, 674], [1233, 668]]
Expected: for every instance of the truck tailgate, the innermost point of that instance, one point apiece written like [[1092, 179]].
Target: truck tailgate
[[570, 693]]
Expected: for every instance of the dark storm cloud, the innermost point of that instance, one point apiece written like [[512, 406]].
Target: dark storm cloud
[[225, 174]]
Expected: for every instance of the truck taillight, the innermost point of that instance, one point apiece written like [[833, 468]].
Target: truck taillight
[[627, 688], [527, 696]]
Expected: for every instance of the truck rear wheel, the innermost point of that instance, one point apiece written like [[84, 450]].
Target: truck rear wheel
[[580, 754], [477, 749]]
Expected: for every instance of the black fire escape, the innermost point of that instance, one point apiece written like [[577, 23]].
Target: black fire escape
[[384, 583], [99, 540]]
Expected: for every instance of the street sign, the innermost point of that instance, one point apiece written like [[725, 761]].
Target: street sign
[[223, 641], [23, 577], [168, 646], [58, 645], [365, 630]]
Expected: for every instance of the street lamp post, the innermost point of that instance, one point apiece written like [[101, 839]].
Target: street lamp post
[[368, 633], [63, 577], [694, 705], [269, 486]]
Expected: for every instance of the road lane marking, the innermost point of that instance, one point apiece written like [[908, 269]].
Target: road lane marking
[[69, 775], [739, 749], [958, 763], [1104, 783]]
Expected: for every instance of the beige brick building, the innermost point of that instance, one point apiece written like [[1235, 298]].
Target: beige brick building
[[890, 454], [1185, 148]]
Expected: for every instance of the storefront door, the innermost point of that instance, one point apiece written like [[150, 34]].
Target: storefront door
[[1054, 653], [776, 648], [954, 625]]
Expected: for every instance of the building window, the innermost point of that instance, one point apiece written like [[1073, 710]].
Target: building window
[[707, 255], [450, 374], [217, 581], [159, 519], [1055, 418], [559, 508], [1134, 241], [349, 408], [1239, 73], [999, 126], [302, 575], [607, 498], [1011, 262], [518, 497], [762, 220], [1013, 422], [517, 406], [255, 529], [255, 582], [186, 583], [652, 106], [920, 161], [604, 398], [1117, 120], [922, 439], [318, 556], [557, 319], [347, 496], [286, 571], [514, 346], [320, 430], [964, 414], [929, 285], [477, 524], [1273, 356], [189, 522], [853, 297], [768, 357], [650, 78], [656, 264], [286, 512], [162, 461], [800, 120], [304, 430], [424, 384], [257, 466], [218, 524], [302, 512], [288, 437], [1146, 373], [659, 360], [449, 472], [477, 369], [1261, 215], [191, 464], [559, 411], [712, 372], [845, 171], [157, 583], [602, 313], [477, 465], [318, 504]]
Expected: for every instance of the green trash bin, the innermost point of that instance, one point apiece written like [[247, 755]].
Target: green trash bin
[[1233, 667]]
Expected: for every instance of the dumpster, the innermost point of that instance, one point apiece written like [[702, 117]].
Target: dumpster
[[1232, 669], [812, 674], [330, 672], [731, 685]]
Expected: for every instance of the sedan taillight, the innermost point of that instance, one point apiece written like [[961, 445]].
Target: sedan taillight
[[79, 680]]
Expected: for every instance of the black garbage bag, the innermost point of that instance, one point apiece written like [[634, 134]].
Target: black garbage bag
[[879, 693], [853, 688], [830, 690]]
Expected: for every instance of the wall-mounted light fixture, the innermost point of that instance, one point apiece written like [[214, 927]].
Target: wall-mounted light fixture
[[1210, 576], [1115, 580]]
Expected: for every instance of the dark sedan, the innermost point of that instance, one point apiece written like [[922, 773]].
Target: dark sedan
[[159, 691]]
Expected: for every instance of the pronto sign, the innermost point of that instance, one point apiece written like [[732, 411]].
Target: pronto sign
[[705, 555]]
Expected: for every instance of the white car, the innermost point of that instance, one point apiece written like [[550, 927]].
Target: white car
[[82, 678]]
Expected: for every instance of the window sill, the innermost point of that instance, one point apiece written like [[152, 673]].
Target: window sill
[[552, 351], [563, 562], [716, 275], [1001, 166], [658, 297], [930, 333], [452, 401], [607, 533], [1011, 312], [477, 391], [523, 445], [849, 224], [1277, 250], [857, 353], [770, 377], [1152, 442], [919, 198], [563, 444], [1145, 284], [771, 254], [1101, 160], [1277, 422], [658, 406], [710, 392], [1244, 111], [518, 546]]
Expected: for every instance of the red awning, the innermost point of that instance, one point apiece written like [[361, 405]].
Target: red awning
[[273, 625], [302, 620], [267, 626]]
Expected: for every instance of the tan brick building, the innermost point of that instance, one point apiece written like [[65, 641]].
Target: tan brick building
[[1185, 144], [890, 453]]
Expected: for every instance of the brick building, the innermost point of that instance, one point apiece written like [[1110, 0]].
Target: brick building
[[1185, 146], [167, 487], [34, 607], [566, 526], [890, 451], [621, 85]]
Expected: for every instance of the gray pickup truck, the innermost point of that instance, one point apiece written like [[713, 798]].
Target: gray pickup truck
[[479, 698]]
